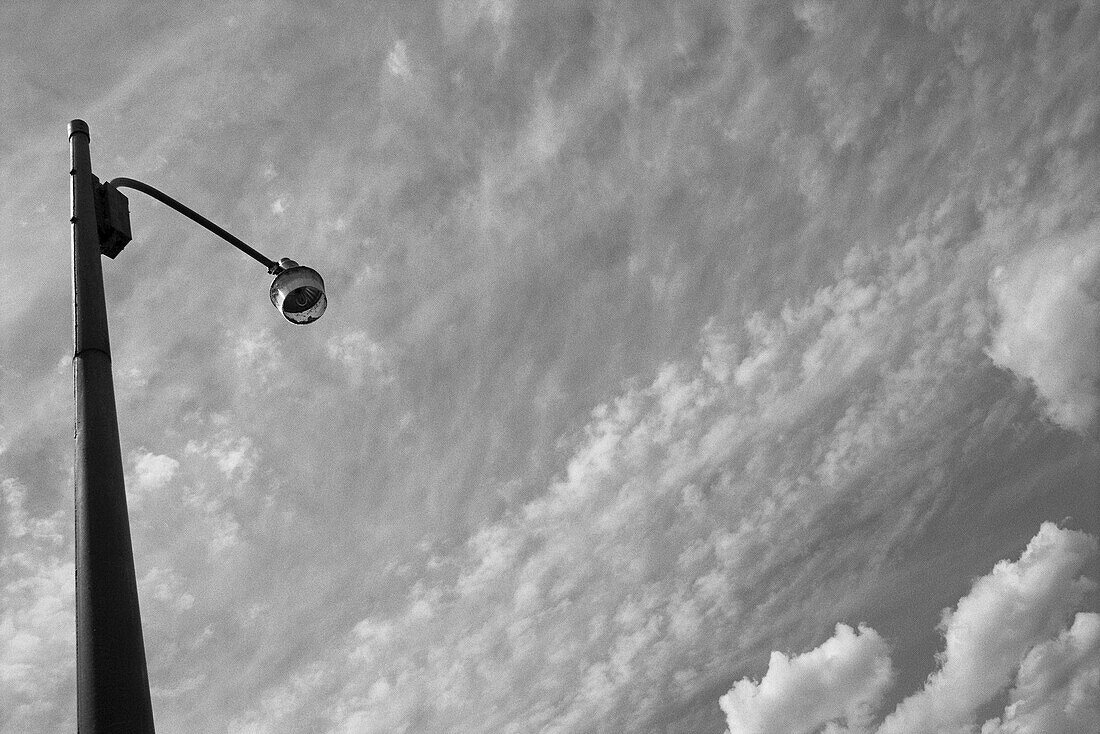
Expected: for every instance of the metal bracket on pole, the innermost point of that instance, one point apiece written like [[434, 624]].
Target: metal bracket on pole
[[112, 214]]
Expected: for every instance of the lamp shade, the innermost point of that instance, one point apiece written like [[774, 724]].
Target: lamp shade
[[299, 293]]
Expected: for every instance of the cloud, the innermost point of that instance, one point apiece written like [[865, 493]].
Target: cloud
[[397, 61], [687, 519], [842, 679], [460, 17], [1010, 629], [554, 204], [236, 457], [361, 357], [1017, 606], [213, 488], [19, 523], [153, 471], [36, 642], [260, 366], [37, 626], [1048, 300], [166, 587], [1058, 686]]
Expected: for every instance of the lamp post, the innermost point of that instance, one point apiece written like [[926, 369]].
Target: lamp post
[[112, 681]]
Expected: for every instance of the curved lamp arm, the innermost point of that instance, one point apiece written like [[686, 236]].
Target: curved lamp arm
[[272, 266]]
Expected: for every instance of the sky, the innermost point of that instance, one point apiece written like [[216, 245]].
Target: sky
[[688, 366]]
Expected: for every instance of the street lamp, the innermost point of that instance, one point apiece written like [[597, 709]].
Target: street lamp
[[112, 681]]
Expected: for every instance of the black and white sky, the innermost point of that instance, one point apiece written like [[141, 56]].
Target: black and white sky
[[688, 367]]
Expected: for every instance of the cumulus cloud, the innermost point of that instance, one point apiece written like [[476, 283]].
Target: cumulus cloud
[[1048, 300], [1017, 606], [1010, 629], [843, 679], [1058, 686], [153, 471]]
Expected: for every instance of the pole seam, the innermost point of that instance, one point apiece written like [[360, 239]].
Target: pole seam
[[81, 352]]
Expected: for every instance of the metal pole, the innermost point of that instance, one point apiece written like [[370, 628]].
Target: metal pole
[[112, 683]]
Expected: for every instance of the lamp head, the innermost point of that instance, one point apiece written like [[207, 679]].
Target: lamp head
[[298, 292]]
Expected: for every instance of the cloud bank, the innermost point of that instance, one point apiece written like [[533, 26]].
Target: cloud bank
[[1010, 629], [1048, 300]]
